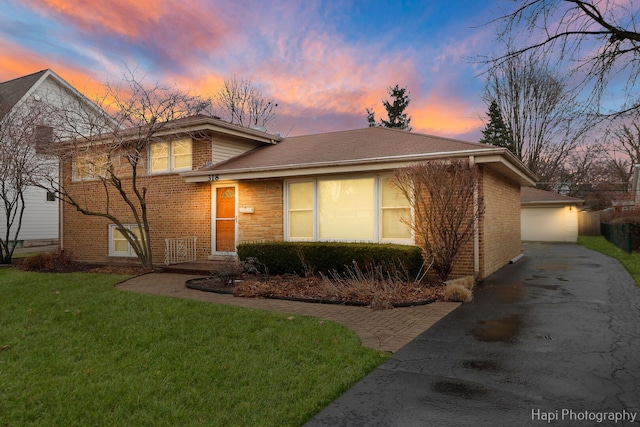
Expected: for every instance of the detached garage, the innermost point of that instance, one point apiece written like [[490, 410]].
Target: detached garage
[[547, 216]]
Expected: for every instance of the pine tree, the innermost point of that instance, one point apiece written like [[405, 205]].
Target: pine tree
[[496, 132], [395, 111]]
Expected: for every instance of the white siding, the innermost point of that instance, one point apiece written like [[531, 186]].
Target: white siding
[[549, 224], [40, 220], [224, 150]]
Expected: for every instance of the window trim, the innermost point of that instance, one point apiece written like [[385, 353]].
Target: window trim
[[112, 252], [170, 157], [377, 211]]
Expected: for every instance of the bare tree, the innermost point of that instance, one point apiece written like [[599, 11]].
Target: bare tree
[[597, 40], [245, 104], [446, 206], [596, 174], [541, 116], [21, 168], [627, 140], [110, 154]]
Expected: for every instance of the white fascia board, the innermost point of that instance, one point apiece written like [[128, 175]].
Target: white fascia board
[[349, 166], [208, 127], [525, 176], [550, 204]]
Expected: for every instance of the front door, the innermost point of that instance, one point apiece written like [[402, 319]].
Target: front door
[[225, 219]]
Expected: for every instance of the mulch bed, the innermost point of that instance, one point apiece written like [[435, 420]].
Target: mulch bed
[[66, 266], [288, 287], [314, 289]]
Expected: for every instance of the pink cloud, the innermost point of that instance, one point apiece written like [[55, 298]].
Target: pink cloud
[[21, 62], [166, 29], [320, 81]]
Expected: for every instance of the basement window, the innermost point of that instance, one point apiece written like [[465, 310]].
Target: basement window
[[118, 243]]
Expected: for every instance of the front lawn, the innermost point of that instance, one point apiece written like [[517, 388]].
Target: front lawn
[[599, 244], [75, 351]]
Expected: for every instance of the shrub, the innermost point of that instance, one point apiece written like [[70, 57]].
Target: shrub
[[227, 271], [457, 293], [47, 261], [468, 282], [377, 283], [305, 257], [626, 220]]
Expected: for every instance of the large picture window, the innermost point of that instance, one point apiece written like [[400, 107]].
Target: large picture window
[[345, 209], [170, 156], [367, 209]]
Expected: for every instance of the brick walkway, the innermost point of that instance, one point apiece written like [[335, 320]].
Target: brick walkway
[[387, 330]]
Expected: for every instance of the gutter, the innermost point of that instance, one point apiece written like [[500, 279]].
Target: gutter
[[210, 174]]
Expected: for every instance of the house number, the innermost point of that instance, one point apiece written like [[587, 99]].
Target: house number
[[213, 178]]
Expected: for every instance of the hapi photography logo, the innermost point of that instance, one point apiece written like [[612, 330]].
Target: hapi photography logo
[[591, 416]]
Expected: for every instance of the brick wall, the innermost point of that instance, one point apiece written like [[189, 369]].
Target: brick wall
[[175, 209], [266, 198], [500, 227]]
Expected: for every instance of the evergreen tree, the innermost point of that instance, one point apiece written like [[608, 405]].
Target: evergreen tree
[[496, 131], [395, 110]]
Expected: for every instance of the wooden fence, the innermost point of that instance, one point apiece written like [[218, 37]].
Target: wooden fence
[[589, 223]]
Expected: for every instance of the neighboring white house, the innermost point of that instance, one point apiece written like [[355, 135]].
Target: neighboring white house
[[40, 220], [547, 216]]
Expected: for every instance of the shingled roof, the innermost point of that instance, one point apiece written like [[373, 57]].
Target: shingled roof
[[372, 148], [12, 91], [530, 196], [332, 147]]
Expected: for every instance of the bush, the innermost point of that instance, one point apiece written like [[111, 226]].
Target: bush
[[457, 293], [46, 261], [626, 220], [303, 258]]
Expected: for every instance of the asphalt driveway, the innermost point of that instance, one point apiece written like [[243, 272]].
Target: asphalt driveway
[[551, 340]]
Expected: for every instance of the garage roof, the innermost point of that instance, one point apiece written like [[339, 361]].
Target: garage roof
[[534, 196]]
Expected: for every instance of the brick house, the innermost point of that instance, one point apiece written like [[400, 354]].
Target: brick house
[[223, 184]]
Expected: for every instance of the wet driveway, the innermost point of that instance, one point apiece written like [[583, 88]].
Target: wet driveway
[[551, 340]]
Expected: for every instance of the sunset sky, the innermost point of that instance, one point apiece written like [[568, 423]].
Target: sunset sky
[[323, 62]]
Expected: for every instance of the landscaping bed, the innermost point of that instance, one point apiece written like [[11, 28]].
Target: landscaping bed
[[321, 290], [369, 288]]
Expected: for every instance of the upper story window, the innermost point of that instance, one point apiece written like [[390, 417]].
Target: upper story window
[[170, 156], [90, 166]]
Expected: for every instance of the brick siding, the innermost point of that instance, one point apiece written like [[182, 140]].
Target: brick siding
[[500, 227], [266, 222], [175, 209]]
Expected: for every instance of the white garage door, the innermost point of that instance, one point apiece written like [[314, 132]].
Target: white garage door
[[549, 224]]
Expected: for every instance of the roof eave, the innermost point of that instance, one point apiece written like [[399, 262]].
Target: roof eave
[[484, 156], [553, 203], [198, 126]]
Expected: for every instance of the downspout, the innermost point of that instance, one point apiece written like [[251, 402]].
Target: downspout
[[476, 226], [60, 210]]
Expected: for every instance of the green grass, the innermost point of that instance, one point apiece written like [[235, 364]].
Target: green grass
[[599, 244], [78, 352]]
